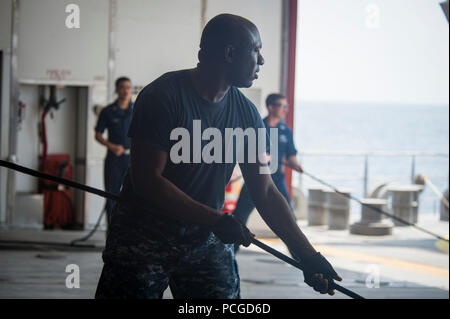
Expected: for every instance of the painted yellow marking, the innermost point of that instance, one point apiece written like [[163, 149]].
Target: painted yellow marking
[[442, 245], [392, 262]]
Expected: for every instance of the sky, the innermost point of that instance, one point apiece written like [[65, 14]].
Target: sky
[[372, 51]]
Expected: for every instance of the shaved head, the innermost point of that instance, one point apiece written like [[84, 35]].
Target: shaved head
[[223, 30], [231, 44]]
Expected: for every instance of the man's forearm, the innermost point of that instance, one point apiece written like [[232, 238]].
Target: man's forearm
[[275, 211], [104, 142], [293, 163]]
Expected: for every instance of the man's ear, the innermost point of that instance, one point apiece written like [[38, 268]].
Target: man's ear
[[229, 53]]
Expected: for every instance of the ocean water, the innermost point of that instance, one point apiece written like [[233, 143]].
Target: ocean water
[[338, 127]]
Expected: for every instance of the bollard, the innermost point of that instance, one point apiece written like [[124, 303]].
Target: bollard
[[317, 214], [444, 208], [371, 223], [299, 203], [405, 202], [338, 207]]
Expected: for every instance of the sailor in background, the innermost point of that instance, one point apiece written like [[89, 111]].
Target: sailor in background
[[278, 107], [116, 118]]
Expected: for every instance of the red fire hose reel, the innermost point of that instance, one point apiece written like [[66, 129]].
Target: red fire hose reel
[[58, 208]]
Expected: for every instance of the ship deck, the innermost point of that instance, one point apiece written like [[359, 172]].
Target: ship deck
[[406, 264]]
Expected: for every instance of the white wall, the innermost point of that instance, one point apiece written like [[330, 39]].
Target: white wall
[[47, 46], [266, 15], [157, 36], [5, 24], [154, 37]]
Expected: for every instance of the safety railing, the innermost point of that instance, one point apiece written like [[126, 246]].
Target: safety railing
[[360, 178]]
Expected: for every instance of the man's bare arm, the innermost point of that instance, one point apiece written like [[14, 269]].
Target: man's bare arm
[[115, 148], [147, 166], [274, 209], [294, 164]]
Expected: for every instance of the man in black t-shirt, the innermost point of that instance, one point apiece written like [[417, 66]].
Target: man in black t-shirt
[[189, 129]]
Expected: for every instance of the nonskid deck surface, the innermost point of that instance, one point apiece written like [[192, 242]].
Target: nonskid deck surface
[[406, 264]]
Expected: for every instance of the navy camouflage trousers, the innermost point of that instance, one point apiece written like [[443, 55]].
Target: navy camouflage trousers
[[142, 259], [114, 171]]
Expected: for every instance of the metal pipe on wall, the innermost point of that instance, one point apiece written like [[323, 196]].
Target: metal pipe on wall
[[204, 7], [13, 120], [111, 67]]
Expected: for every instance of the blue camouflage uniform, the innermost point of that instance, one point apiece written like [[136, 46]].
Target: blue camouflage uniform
[[116, 121], [140, 262], [146, 251]]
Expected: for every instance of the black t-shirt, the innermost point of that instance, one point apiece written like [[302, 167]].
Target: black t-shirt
[[170, 105]]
